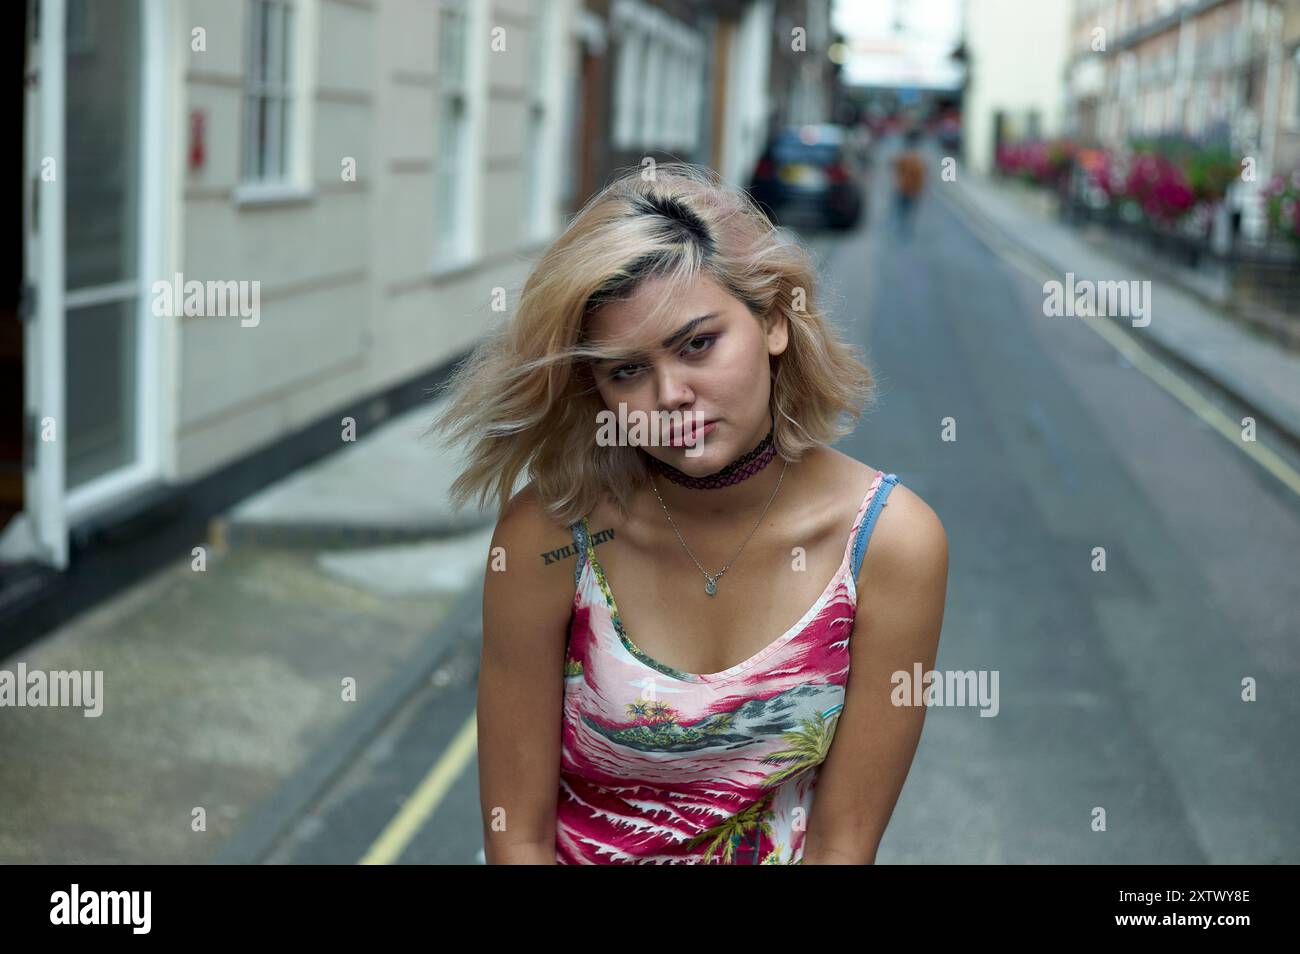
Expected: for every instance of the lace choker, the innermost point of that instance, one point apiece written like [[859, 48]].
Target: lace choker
[[742, 468]]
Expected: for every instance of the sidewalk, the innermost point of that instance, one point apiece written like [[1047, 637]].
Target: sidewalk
[[224, 686], [1255, 370]]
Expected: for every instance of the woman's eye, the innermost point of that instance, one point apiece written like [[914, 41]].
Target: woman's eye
[[707, 339], [617, 373], [627, 371]]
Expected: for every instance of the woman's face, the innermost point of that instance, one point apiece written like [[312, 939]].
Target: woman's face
[[716, 368]]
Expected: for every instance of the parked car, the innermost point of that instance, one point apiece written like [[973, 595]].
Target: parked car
[[814, 170]]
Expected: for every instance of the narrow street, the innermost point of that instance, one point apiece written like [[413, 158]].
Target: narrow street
[[1123, 688]]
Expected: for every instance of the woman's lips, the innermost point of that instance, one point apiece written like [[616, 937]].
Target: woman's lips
[[698, 433]]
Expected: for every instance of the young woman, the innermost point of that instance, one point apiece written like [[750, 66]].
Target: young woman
[[686, 638]]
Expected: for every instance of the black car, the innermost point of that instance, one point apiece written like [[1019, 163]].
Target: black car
[[814, 171]]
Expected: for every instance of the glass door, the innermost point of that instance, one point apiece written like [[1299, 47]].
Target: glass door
[[87, 180], [102, 223]]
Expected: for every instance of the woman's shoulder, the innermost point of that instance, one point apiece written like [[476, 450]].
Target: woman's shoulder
[[908, 535], [529, 534], [841, 476], [526, 513]]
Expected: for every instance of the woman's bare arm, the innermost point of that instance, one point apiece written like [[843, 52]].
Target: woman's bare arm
[[904, 579], [526, 608]]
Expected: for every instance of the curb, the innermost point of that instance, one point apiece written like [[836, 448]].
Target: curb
[[225, 533], [114, 550], [1289, 430], [336, 753], [1250, 317]]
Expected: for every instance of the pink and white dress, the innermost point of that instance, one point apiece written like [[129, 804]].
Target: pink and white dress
[[660, 766]]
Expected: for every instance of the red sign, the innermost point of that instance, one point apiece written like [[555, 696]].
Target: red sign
[[198, 138]]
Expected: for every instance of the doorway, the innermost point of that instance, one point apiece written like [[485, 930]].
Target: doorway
[[80, 417]]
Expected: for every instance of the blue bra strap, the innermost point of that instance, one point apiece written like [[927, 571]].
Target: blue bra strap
[[864, 529], [580, 543]]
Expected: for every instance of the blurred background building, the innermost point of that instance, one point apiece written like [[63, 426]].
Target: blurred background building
[[1206, 69], [378, 168], [375, 167], [1016, 50]]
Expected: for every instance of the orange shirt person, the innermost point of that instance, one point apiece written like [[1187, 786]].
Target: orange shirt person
[[909, 181], [909, 173]]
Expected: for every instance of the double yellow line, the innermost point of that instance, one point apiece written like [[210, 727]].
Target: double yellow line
[[426, 798]]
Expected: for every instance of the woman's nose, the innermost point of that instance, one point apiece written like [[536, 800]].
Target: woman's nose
[[673, 389]]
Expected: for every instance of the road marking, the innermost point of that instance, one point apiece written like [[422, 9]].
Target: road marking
[[426, 798], [1154, 369]]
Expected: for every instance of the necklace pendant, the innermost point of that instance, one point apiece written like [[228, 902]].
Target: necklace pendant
[[711, 585]]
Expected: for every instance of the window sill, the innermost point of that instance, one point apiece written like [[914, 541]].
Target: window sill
[[270, 193]]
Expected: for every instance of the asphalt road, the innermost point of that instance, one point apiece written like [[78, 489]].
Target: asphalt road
[[1119, 692]]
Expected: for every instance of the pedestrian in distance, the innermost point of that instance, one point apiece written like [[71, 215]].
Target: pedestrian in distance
[[909, 182]]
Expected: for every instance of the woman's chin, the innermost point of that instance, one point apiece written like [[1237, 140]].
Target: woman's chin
[[697, 462]]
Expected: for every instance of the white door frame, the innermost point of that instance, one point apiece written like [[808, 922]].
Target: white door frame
[[51, 507], [43, 337]]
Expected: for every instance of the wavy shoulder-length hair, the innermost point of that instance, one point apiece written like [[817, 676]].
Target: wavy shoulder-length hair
[[526, 397]]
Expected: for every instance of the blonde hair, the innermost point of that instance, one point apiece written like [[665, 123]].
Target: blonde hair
[[526, 396]]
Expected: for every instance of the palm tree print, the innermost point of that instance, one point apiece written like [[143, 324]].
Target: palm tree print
[[656, 724], [808, 746], [743, 828]]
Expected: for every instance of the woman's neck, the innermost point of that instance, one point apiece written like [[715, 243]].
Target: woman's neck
[[720, 506]]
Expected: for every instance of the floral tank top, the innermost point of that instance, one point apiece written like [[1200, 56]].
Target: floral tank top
[[660, 766]]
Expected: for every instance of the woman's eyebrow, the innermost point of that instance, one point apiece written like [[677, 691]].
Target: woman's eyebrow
[[668, 342]]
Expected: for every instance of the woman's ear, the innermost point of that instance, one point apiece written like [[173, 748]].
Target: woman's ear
[[778, 331]]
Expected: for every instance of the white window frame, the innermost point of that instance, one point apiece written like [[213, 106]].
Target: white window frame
[[630, 81], [690, 117], [452, 125], [676, 107], [1293, 114], [283, 157], [538, 122], [268, 160], [651, 127], [456, 236]]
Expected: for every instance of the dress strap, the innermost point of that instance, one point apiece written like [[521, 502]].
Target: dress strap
[[885, 485], [579, 529]]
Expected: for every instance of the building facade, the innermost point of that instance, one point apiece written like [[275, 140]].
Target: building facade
[[1209, 70], [241, 216], [244, 213], [1015, 55]]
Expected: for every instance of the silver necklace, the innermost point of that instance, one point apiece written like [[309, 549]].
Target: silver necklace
[[711, 580]]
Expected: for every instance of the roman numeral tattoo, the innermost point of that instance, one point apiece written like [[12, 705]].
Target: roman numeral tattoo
[[555, 556]]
